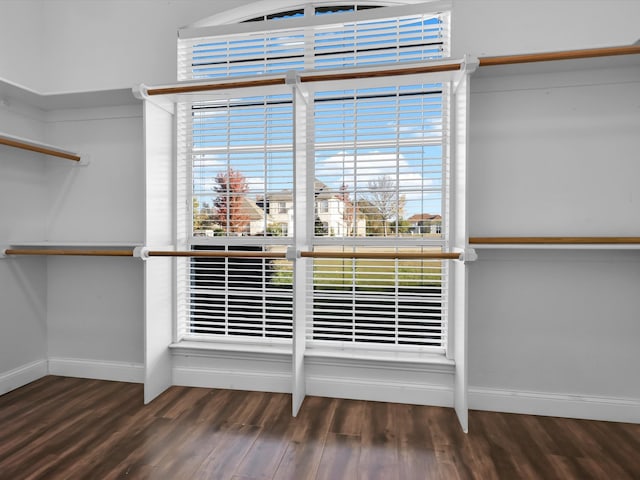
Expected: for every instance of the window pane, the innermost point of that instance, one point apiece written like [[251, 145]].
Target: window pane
[[408, 39], [245, 297], [383, 301], [379, 161], [242, 162]]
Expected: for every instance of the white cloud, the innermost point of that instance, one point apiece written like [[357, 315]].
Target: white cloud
[[359, 171]]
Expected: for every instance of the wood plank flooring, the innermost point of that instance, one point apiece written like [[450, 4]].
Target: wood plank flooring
[[68, 428]]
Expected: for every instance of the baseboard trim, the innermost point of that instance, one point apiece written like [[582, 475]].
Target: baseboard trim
[[321, 386], [498, 400], [586, 407], [380, 391], [96, 369], [23, 375], [236, 380]]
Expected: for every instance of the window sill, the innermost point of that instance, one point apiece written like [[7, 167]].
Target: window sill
[[202, 348], [433, 362]]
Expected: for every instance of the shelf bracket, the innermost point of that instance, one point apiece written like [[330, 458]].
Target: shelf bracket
[[468, 255], [141, 252]]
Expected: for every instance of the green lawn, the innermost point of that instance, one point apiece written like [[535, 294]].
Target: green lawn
[[367, 274]]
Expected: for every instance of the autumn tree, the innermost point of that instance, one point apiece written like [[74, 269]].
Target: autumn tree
[[230, 208]]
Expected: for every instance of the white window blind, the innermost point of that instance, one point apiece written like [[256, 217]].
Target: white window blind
[[379, 184], [240, 297], [392, 302], [379, 153], [296, 44], [407, 39], [241, 160], [379, 150], [242, 167]]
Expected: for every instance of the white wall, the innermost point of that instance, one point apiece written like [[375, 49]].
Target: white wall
[[90, 45], [555, 154], [21, 41], [95, 310], [104, 201], [505, 27], [72, 310], [98, 44], [555, 322], [95, 305], [124, 43], [23, 207]]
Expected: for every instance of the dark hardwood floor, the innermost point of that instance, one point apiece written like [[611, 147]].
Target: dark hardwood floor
[[68, 428]]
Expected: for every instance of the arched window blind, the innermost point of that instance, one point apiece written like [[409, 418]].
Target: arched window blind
[[327, 41]]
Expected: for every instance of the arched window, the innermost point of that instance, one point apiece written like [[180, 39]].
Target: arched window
[[372, 153], [314, 36]]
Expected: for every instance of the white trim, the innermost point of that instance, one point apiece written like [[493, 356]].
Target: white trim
[[49, 101], [612, 409], [267, 7], [256, 381], [229, 346], [356, 388], [23, 375], [97, 369], [351, 378], [425, 361]]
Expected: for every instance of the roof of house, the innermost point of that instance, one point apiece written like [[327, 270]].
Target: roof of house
[[421, 217], [252, 209]]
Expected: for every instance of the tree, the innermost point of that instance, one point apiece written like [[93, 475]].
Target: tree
[[384, 201], [373, 219], [401, 226], [201, 215], [348, 211], [230, 210]]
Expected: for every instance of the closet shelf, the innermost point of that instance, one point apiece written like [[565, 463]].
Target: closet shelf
[[79, 245], [38, 147], [566, 243], [10, 92]]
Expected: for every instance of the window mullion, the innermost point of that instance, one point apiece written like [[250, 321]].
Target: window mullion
[[302, 205]]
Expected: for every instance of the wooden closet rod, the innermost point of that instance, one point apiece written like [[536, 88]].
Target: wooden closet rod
[[442, 67], [562, 55], [39, 149], [384, 255], [336, 254], [320, 77], [215, 254], [226, 254], [75, 252], [216, 86], [553, 240]]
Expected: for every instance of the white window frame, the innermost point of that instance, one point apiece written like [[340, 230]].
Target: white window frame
[[312, 20]]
